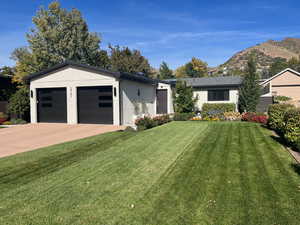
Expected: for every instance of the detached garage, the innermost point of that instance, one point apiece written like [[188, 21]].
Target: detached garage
[[75, 93]]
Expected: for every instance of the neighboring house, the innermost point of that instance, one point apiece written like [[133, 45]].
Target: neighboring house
[[75, 93], [214, 89], [285, 83]]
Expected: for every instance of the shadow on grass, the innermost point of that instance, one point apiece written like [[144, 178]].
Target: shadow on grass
[[296, 167], [12, 177]]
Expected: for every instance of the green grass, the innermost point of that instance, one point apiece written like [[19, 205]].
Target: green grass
[[179, 173]]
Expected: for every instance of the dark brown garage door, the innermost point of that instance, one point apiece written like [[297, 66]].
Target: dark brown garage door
[[162, 101], [52, 105], [95, 105]]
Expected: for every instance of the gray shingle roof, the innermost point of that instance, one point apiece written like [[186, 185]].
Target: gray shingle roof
[[211, 81]]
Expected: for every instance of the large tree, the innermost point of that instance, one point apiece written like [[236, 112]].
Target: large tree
[[165, 72], [127, 60], [250, 91], [58, 35], [194, 68]]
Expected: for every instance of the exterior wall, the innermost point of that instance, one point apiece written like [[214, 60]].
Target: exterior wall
[[287, 84], [71, 78], [202, 95], [134, 106], [170, 96]]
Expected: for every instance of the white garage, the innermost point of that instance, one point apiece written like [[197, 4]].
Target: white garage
[[75, 93]]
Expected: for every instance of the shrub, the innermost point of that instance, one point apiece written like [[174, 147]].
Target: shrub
[[292, 126], [160, 120], [254, 117], [217, 109], [3, 117], [7, 123], [17, 121], [19, 103], [183, 116], [276, 114], [232, 116], [280, 98]]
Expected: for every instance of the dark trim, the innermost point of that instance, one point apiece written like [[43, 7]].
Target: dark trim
[[117, 75], [287, 85]]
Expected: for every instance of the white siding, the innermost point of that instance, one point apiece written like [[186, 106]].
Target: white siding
[[134, 106], [202, 95], [71, 78]]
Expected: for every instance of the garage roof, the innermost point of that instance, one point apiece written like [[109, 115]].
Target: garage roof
[[118, 75], [230, 81]]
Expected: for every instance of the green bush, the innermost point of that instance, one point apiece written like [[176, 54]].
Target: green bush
[[146, 122], [217, 109], [183, 116], [292, 127], [281, 98], [17, 121], [19, 103], [276, 115]]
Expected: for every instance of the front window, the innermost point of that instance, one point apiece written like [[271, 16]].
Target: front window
[[218, 95]]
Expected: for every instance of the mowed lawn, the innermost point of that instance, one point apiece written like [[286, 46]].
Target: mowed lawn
[[179, 173]]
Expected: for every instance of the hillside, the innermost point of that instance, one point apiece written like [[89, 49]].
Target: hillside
[[265, 54]]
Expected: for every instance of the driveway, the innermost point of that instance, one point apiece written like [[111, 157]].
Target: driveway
[[28, 137]]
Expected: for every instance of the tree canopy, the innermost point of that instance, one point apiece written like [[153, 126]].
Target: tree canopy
[[165, 72], [58, 35], [123, 59], [194, 68]]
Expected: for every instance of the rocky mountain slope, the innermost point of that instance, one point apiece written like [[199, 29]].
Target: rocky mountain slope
[[265, 54]]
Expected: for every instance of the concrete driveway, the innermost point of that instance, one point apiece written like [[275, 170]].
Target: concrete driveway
[[28, 137]]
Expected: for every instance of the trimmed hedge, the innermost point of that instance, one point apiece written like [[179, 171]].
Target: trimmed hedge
[[183, 116], [292, 127], [147, 122], [217, 108], [276, 114]]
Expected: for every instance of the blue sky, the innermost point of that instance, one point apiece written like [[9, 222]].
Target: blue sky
[[171, 31]]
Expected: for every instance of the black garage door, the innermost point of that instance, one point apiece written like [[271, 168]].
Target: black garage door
[[52, 105], [95, 105]]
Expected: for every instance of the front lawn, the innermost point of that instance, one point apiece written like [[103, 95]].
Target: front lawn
[[178, 173]]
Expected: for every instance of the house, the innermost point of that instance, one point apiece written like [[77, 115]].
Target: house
[[285, 83], [213, 89], [74, 93]]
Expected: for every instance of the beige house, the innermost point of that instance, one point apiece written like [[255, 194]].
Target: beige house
[[285, 83], [75, 93]]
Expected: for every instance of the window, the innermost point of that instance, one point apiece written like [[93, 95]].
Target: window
[[218, 95]]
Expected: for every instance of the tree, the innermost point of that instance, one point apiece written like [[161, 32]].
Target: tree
[[58, 35], [196, 68], [19, 103], [250, 91], [294, 63], [7, 88], [130, 61], [184, 100], [165, 72]]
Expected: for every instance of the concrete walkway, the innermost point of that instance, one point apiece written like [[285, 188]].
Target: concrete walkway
[[28, 137]]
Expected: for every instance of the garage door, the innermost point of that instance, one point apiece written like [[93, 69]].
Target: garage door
[[52, 105], [95, 105]]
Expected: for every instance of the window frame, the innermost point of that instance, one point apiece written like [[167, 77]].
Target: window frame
[[215, 97]]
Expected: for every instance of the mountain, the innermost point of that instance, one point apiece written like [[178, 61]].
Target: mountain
[[265, 54]]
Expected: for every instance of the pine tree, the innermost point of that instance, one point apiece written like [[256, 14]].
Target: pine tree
[[165, 72], [184, 100], [250, 91]]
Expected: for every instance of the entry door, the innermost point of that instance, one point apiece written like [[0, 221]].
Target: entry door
[[95, 105], [52, 105], [162, 101]]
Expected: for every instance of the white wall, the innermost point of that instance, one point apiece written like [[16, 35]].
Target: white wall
[[170, 96], [202, 95], [134, 106], [71, 78]]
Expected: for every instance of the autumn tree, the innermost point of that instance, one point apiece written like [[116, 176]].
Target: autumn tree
[[194, 68], [58, 35]]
